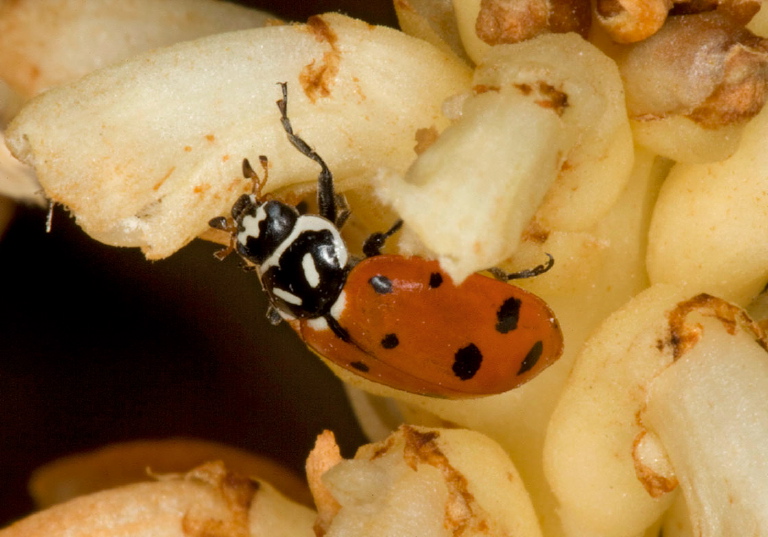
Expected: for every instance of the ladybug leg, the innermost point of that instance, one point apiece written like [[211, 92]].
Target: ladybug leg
[[224, 224], [273, 316], [326, 197], [529, 273], [336, 328], [375, 242], [343, 211]]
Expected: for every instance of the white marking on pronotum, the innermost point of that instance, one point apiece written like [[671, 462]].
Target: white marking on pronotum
[[338, 307], [318, 324], [285, 295], [307, 223], [310, 270], [251, 223]]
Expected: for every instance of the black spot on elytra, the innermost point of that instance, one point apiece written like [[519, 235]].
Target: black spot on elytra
[[508, 315], [360, 366], [531, 358], [390, 341], [466, 361], [435, 280], [381, 284]]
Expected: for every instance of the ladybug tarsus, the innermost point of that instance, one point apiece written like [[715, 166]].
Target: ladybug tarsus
[[528, 273], [222, 223], [273, 316]]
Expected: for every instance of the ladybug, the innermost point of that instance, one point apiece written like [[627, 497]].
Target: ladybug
[[398, 321]]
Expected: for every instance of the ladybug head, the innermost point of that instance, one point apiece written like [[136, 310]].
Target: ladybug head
[[262, 226], [258, 225]]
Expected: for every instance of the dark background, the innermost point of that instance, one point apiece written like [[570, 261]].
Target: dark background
[[98, 345]]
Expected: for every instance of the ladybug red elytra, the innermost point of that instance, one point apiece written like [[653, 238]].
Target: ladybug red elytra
[[399, 321]]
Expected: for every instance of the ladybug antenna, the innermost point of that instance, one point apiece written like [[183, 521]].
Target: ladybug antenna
[[250, 173], [529, 273]]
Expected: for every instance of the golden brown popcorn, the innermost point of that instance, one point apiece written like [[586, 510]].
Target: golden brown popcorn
[[142, 460], [209, 500], [705, 67], [629, 21], [159, 196], [421, 482], [612, 467], [692, 86], [49, 42], [512, 21]]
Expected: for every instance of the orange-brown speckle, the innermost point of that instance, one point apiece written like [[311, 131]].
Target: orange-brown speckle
[[163, 179], [318, 77]]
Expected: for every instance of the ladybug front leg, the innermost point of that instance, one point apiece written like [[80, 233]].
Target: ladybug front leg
[[326, 197], [528, 273], [375, 242], [343, 211], [223, 223]]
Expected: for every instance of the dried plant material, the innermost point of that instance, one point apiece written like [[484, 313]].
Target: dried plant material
[[46, 43], [740, 11], [630, 21], [677, 520], [50, 42], [704, 67], [434, 21], [530, 125], [17, 181], [512, 21], [611, 474], [430, 482], [707, 218], [209, 500], [132, 462], [681, 139], [570, 16], [759, 23], [708, 410], [147, 140], [466, 184], [484, 23], [324, 456], [466, 12], [652, 467], [590, 450]]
